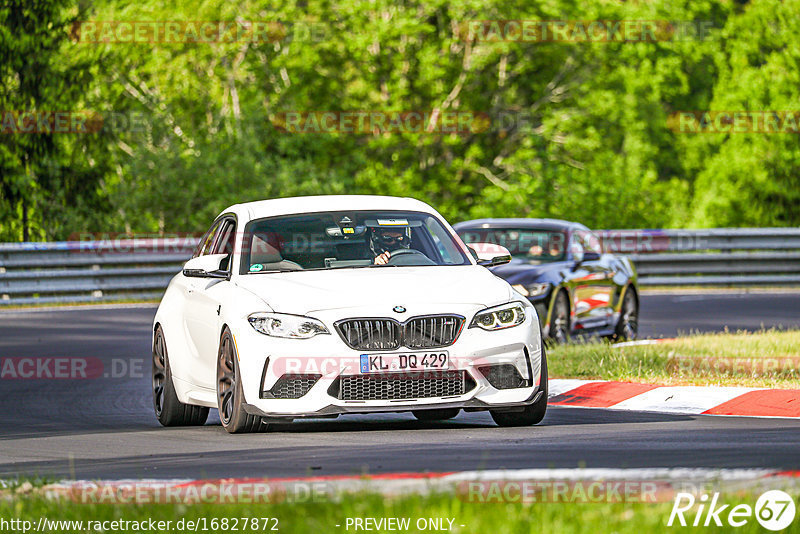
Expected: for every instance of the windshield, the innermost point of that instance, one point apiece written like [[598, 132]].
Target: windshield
[[335, 240], [527, 244]]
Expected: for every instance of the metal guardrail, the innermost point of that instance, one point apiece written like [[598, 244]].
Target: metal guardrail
[[720, 257], [96, 271], [90, 271]]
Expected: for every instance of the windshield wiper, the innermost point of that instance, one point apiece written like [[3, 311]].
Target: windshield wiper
[[337, 267]]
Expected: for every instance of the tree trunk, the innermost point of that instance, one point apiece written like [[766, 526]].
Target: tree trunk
[[25, 236]]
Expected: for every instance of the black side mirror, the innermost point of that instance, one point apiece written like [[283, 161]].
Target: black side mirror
[[497, 260], [200, 273], [591, 256], [489, 254]]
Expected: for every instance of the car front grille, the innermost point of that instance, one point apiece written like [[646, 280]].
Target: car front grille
[[400, 386], [370, 334], [291, 386], [428, 332], [432, 332]]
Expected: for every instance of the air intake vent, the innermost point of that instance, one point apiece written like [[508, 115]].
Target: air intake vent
[[291, 387], [503, 376], [400, 386]]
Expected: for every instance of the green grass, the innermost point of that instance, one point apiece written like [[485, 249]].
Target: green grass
[[769, 358], [321, 517]]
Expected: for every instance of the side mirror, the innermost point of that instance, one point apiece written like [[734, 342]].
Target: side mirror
[[206, 267], [489, 254], [583, 256]]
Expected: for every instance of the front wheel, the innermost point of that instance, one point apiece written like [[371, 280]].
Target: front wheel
[[230, 398], [558, 333], [533, 413], [628, 324], [169, 410]]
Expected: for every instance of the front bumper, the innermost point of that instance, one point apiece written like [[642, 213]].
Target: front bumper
[[263, 360]]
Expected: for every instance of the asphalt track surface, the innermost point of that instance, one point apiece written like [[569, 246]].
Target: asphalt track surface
[[105, 428]]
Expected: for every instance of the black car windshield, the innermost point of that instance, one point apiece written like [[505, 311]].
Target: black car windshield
[[337, 240], [531, 245]]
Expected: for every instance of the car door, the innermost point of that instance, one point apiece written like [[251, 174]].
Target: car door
[[189, 285], [202, 313], [593, 281]]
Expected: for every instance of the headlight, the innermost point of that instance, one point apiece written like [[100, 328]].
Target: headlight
[[533, 290], [521, 289], [285, 325], [499, 317], [536, 290]]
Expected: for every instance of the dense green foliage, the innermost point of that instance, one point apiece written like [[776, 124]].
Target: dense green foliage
[[584, 131]]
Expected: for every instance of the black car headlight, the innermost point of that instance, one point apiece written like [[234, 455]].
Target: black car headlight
[[532, 290], [500, 317]]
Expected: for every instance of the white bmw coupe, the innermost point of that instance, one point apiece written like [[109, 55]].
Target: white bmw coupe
[[320, 306]]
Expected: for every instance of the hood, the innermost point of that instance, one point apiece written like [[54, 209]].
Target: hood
[[521, 272], [303, 292]]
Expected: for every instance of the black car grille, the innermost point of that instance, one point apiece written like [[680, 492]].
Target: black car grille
[[399, 386], [370, 334], [434, 331], [291, 386], [431, 332], [503, 376]]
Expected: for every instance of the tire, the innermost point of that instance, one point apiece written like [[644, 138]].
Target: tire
[[559, 330], [533, 413], [627, 328], [436, 415], [169, 410], [230, 398]]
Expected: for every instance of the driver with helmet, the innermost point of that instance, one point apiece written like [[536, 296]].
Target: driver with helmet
[[384, 241]]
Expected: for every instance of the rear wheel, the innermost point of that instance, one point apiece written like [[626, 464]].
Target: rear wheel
[[558, 332], [169, 410], [230, 398], [628, 324], [532, 413], [436, 415]]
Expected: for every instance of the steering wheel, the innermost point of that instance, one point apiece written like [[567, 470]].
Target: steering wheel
[[408, 256]]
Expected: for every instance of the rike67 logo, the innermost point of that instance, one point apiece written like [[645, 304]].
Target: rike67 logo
[[774, 510]]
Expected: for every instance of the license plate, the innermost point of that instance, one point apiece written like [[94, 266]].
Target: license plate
[[412, 361]]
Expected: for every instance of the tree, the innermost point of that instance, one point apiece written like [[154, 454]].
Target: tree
[[45, 179]]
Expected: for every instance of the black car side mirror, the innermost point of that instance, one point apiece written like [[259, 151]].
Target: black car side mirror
[[489, 254], [583, 256], [497, 260]]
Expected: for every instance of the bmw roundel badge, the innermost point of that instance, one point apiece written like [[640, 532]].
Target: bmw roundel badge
[[399, 309]]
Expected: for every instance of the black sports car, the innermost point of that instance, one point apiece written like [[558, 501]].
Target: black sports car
[[561, 268]]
